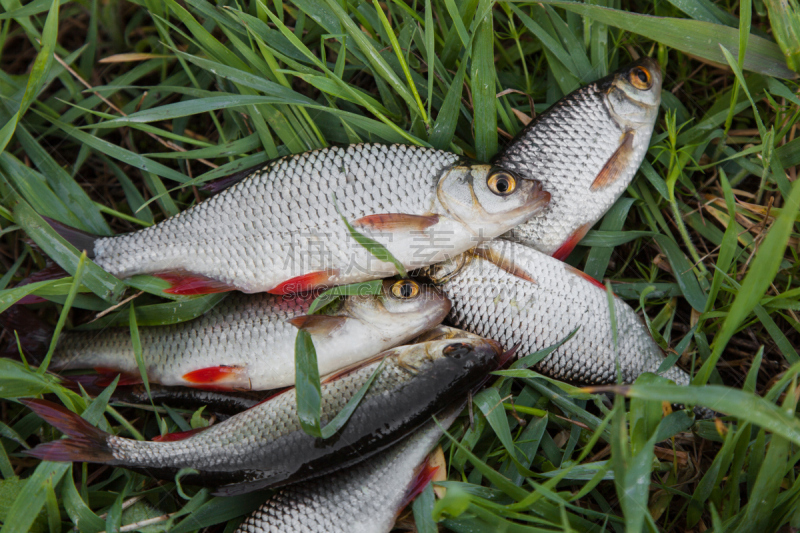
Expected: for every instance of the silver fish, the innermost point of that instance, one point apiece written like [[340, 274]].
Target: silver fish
[[246, 342], [585, 150], [365, 498], [515, 294], [278, 230], [266, 445]]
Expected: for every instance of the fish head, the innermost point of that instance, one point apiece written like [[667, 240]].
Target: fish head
[[468, 352], [634, 93], [489, 200], [406, 306]]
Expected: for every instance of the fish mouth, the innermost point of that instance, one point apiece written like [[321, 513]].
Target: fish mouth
[[537, 200]]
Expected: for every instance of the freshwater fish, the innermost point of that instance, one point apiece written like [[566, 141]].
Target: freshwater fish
[[517, 295], [278, 230], [585, 150], [246, 342], [266, 446], [365, 498]]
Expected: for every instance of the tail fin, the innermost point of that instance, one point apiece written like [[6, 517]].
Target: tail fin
[[34, 334], [86, 442], [77, 238]]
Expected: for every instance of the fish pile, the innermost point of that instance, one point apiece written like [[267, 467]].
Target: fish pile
[[485, 244]]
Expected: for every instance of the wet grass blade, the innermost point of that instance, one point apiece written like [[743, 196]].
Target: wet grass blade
[[691, 36]]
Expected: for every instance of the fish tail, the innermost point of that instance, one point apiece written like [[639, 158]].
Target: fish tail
[[86, 442], [77, 238], [33, 332]]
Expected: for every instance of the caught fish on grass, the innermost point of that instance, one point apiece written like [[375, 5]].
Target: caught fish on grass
[[365, 498], [266, 445], [517, 295], [585, 150], [279, 231], [246, 342]]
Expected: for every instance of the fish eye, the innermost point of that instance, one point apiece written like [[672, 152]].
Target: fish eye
[[640, 78], [502, 183], [405, 289]]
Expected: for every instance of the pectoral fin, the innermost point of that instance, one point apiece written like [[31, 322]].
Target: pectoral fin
[[318, 324], [188, 284], [616, 163], [393, 222], [223, 377], [586, 276], [305, 283], [504, 263]]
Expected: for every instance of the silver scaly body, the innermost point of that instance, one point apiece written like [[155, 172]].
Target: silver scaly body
[[251, 339], [280, 223], [365, 498], [567, 146], [492, 302]]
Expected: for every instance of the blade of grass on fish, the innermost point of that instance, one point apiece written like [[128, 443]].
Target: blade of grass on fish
[[359, 289], [39, 73], [378, 250], [308, 390], [159, 314], [62, 318], [762, 272], [694, 37], [95, 278], [484, 90], [341, 418]]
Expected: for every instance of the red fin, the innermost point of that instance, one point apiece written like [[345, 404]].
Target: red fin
[[424, 476], [566, 248], [504, 263], [186, 284], [317, 324], [586, 276], [86, 442], [107, 375], [616, 163], [304, 283], [178, 435], [396, 222], [215, 377]]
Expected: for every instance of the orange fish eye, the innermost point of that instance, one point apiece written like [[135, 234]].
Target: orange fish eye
[[405, 289], [502, 183], [640, 78]]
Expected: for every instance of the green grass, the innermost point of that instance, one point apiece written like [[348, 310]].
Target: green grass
[[698, 243]]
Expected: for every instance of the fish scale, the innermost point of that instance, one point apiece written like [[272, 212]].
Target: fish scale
[[567, 146], [266, 446], [251, 340], [491, 302], [278, 230], [232, 228], [364, 498]]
